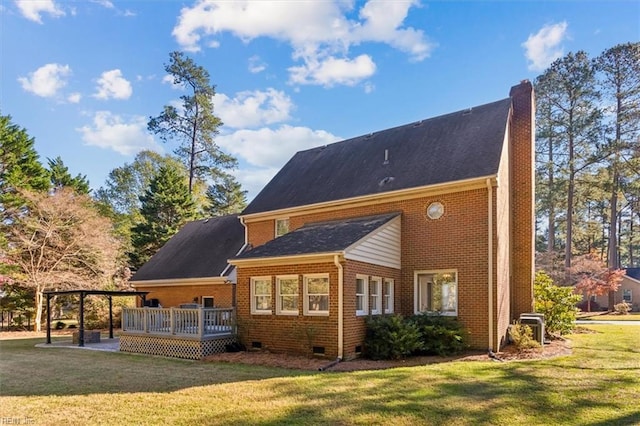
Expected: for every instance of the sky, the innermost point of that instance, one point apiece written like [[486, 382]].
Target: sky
[[83, 77]]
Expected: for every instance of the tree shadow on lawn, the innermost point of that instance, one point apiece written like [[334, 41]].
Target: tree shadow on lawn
[[435, 395]]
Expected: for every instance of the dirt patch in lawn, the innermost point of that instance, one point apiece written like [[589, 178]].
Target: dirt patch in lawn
[[555, 348]]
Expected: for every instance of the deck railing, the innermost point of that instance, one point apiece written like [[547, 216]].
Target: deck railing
[[199, 322]]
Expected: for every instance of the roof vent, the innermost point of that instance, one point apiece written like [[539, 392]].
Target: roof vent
[[386, 157], [467, 111], [369, 136], [386, 180], [418, 123]]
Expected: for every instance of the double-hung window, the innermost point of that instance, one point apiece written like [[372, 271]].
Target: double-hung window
[[376, 295], [282, 227], [436, 291], [261, 295], [388, 295], [316, 294], [287, 291], [362, 294], [626, 295]]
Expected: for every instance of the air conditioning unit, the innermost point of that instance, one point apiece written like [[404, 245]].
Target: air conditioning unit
[[536, 322]]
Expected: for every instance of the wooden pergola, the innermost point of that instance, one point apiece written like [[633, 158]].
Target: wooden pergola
[[83, 293]]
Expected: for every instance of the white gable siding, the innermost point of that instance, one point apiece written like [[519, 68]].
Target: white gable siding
[[381, 247]]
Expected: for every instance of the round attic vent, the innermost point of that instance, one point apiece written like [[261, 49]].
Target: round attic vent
[[435, 210]]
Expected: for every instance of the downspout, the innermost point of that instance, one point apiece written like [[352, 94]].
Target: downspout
[[490, 259], [336, 261], [246, 231]]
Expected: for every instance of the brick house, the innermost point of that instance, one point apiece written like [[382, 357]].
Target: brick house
[[435, 215], [191, 268]]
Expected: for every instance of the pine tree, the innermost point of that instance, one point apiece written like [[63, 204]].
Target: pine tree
[[194, 125], [225, 196], [19, 168], [619, 69], [574, 100], [61, 178], [166, 206]]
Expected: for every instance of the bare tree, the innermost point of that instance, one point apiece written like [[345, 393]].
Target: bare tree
[[60, 241]]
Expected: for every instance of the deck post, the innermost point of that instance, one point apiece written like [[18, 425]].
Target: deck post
[[201, 322], [48, 320], [110, 317], [81, 331]]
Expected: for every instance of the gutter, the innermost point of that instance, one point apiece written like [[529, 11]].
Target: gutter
[[336, 261], [490, 260]]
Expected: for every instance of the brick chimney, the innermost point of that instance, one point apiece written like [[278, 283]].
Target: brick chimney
[[522, 169]]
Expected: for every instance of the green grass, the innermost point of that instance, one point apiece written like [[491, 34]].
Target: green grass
[[597, 385], [598, 316]]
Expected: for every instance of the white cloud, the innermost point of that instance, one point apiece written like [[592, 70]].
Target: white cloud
[[543, 47], [254, 179], [266, 150], [271, 148], [111, 85], [256, 65], [32, 9], [169, 79], [317, 31], [330, 71], [110, 131], [104, 3], [74, 98], [47, 80], [252, 109]]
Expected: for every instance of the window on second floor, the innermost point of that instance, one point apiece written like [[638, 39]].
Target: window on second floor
[[282, 227]]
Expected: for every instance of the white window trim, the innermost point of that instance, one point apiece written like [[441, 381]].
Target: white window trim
[[435, 271], [306, 295], [254, 310], [275, 232], [376, 305], [208, 297], [388, 308], [365, 295], [279, 310]]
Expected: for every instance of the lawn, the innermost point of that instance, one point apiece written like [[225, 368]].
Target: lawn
[[603, 316], [598, 384]]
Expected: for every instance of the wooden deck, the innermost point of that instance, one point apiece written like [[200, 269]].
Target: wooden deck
[[176, 332]]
